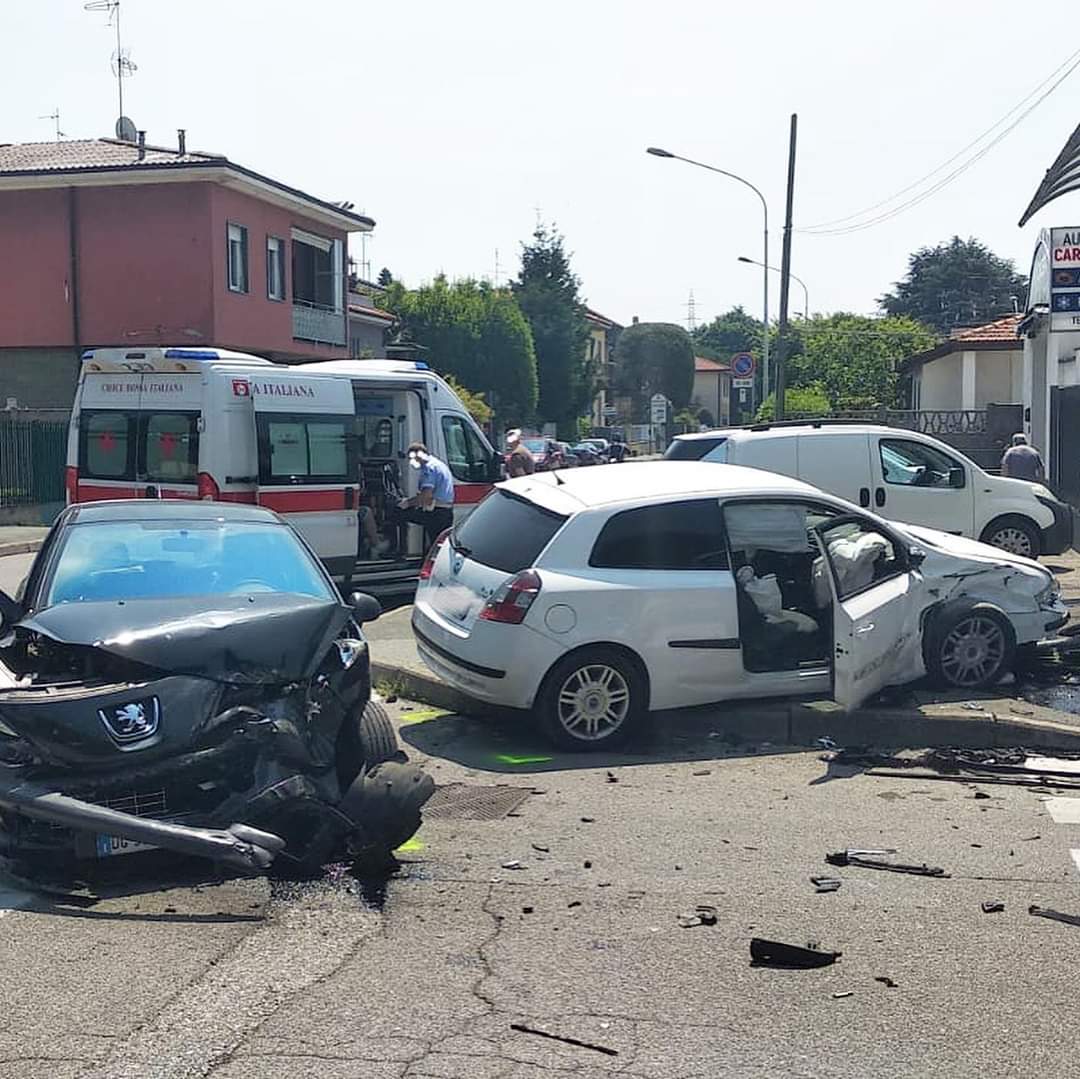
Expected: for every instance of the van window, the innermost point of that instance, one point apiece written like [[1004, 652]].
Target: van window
[[170, 445], [507, 532], [375, 426], [671, 536], [466, 455], [694, 449], [305, 449], [107, 445], [914, 464]]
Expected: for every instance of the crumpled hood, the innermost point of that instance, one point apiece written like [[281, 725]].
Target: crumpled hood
[[971, 550], [260, 638]]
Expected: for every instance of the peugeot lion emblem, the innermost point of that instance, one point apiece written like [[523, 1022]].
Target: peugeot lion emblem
[[131, 722]]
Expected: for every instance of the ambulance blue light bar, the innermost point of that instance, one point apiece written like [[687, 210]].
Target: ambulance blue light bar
[[192, 354], [421, 366]]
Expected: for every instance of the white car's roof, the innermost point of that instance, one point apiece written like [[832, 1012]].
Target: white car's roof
[[803, 429], [649, 481]]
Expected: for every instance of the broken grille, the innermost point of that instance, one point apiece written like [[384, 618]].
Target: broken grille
[[459, 801]]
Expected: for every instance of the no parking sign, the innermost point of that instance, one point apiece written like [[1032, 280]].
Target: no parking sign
[[742, 370]]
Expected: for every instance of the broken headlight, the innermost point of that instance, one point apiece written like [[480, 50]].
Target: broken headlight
[[1050, 595], [349, 651]]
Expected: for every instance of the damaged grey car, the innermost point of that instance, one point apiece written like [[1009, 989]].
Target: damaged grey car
[[185, 676]]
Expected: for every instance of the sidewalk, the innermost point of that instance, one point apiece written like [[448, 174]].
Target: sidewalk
[[925, 718], [21, 539]]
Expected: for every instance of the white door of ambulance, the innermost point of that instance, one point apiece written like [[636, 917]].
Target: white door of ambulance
[[304, 430], [876, 641]]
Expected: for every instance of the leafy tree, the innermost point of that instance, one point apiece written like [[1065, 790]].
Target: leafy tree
[[548, 293], [385, 278], [959, 283], [851, 358], [476, 334], [474, 403], [809, 400], [655, 357], [735, 331]]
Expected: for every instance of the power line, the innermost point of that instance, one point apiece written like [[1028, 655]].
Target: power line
[[1056, 78]]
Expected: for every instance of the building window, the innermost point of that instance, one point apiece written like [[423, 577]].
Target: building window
[[275, 268], [318, 270], [237, 258]]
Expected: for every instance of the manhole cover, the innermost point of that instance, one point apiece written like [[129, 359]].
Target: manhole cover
[[459, 801]]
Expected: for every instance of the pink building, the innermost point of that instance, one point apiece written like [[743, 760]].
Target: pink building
[[118, 243]]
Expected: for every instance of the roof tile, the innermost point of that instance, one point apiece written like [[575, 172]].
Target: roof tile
[[89, 154], [1002, 329]]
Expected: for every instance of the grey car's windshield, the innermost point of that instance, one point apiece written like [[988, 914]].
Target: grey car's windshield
[[110, 560]]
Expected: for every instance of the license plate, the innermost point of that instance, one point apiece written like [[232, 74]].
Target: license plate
[[108, 846]]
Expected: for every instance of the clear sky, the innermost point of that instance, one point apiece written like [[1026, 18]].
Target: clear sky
[[454, 124]]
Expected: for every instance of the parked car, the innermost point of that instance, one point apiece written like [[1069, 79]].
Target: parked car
[[912, 477], [538, 447], [186, 676], [615, 592], [587, 454], [602, 445], [323, 443]]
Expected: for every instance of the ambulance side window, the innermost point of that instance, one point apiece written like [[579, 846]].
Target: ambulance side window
[[306, 449], [469, 461], [107, 445]]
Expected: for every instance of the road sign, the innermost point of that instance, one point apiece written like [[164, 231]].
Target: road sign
[[742, 365], [742, 383], [658, 408]]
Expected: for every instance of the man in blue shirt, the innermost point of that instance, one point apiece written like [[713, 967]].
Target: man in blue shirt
[[432, 506]]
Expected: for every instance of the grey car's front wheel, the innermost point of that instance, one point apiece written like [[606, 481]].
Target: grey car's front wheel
[[592, 700], [970, 646]]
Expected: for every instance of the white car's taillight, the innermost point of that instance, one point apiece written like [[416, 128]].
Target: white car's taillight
[[428, 567], [512, 600]]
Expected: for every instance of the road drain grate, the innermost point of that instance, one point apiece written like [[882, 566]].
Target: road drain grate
[[459, 801]]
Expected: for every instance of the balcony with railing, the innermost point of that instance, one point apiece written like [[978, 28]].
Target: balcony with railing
[[318, 323]]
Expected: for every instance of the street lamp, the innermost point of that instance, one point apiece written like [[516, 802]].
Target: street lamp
[[776, 269], [657, 152]]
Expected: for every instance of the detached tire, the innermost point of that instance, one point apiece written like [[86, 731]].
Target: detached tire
[[378, 740], [1014, 534], [969, 645], [592, 700]]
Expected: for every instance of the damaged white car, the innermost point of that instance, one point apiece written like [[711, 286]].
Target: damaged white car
[[594, 597]]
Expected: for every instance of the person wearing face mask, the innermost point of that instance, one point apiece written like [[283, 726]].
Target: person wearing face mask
[[432, 506]]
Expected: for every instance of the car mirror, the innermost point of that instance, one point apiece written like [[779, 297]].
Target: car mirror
[[916, 556], [956, 477], [365, 608], [10, 611]]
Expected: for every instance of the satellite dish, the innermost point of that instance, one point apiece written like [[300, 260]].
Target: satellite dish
[[125, 130]]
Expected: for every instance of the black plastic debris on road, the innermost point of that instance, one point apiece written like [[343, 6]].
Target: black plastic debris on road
[[861, 860], [887, 982], [773, 953], [606, 1050], [1054, 915], [992, 906]]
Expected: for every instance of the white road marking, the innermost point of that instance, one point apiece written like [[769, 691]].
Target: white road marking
[[1076, 858], [1064, 810]]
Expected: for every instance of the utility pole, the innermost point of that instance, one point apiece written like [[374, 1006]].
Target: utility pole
[[785, 279]]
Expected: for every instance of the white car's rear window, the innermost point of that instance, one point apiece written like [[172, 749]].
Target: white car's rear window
[[507, 532]]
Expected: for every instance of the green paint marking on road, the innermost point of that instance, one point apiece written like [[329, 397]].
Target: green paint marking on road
[[423, 717], [506, 758], [411, 846]]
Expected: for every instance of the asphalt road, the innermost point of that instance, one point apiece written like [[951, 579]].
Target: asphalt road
[[564, 917]]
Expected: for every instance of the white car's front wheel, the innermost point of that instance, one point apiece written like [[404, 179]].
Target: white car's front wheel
[[592, 699], [970, 645]]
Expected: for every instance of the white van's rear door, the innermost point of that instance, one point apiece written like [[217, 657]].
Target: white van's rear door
[[304, 428], [138, 435]]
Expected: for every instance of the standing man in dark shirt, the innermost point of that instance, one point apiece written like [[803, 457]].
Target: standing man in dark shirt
[[1022, 462], [520, 462]]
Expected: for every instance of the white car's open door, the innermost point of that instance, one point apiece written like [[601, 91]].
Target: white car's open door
[[875, 610]]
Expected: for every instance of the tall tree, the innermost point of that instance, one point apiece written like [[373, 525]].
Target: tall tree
[[548, 292], [735, 331], [655, 357], [853, 358], [386, 278], [959, 283], [475, 333]]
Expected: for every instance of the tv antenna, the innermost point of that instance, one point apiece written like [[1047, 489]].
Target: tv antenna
[[691, 313], [120, 62], [55, 117]]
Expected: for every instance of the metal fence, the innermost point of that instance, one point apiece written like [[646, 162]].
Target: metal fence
[[32, 458]]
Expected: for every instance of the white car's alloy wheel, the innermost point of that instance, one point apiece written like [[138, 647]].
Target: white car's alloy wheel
[[973, 651], [593, 702]]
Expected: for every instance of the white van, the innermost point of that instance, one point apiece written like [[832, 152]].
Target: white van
[[324, 444], [902, 475]]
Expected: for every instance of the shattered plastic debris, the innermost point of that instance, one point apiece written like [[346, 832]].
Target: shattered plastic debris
[[522, 1029], [826, 743], [512, 864], [887, 982], [844, 994], [826, 884], [992, 906], [703, 915], [856, 858], [772, 953], [1054, 915]]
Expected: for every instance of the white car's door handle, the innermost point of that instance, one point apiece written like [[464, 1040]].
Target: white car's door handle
[[866, 627]]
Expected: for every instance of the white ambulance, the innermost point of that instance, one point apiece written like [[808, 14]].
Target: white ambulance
[[324, 444]]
